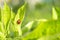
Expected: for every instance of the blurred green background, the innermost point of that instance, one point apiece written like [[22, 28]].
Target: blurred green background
[[39, 19]]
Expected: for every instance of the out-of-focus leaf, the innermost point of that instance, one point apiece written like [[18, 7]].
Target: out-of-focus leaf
[[54, 14], [57, 7], [27, 27], [5, 14], [43, 29], [58, 12]]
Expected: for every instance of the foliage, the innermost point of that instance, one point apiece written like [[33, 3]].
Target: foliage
[[42, 29]]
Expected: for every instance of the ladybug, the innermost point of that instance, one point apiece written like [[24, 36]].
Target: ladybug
[[18, 21]]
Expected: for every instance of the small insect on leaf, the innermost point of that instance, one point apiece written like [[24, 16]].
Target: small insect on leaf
[[18, 21]]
